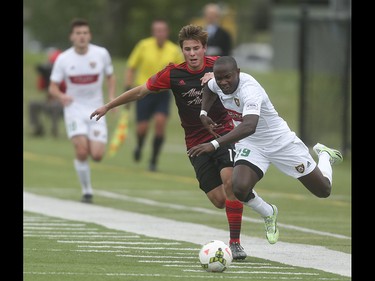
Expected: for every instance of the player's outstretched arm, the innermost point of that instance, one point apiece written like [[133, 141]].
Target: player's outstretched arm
[[133, 94]]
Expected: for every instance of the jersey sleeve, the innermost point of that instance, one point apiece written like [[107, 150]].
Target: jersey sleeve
[[108, 69], [160, 80], [252, 99], [57, 73], [212, 85]]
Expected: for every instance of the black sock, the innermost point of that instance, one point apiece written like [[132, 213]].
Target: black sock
[[157, 143], [140, 141]]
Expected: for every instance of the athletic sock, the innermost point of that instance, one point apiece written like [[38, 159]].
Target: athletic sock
[[259, 205], [84, 175], [325, 166], [138, 149], [140, 141], [234, 210], [156, 145]]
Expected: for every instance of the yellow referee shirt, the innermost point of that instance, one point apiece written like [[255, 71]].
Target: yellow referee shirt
[[147, 58]]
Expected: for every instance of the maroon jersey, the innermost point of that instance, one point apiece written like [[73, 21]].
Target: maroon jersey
[[187, 90]]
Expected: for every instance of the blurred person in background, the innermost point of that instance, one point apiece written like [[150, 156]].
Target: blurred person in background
[[148, 56], [50, 105], [83, 67], [219, 40]]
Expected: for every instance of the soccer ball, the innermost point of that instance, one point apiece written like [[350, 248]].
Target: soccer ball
[[215, 256]]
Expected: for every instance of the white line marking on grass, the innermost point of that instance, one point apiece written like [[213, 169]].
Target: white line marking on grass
[[159, 257], [307, 256], [213, 276], [118, 242], [27, 224], [136, 248], [262, 272], [175, 263], [70, 236], [150, 202], [56, 228]]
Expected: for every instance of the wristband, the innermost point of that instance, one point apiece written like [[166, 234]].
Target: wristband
[[215, 144], [203, 112]]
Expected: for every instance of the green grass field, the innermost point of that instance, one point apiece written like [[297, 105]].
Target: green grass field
[[48, 170]]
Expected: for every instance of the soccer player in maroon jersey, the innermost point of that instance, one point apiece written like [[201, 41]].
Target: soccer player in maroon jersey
[[186, 80]]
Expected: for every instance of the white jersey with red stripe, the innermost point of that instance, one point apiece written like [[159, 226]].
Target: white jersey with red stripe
[[83, 75]]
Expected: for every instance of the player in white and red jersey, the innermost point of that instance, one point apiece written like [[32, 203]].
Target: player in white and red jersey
[[261, 137], [83, 67], [186, 80]]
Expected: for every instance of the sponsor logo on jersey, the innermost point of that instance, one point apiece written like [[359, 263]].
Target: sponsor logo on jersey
[[194, 95], [252, 106]]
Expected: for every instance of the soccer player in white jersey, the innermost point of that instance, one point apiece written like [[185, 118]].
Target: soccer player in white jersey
[[261, 137], [83, 67]]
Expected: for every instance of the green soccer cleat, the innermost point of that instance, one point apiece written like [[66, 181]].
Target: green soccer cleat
[[335, 155], [270, 223]]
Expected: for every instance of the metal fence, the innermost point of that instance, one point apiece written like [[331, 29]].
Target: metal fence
[[325, 79]]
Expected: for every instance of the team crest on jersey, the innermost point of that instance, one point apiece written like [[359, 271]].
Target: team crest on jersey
[[92, 64], [300, 168], [237, 101]]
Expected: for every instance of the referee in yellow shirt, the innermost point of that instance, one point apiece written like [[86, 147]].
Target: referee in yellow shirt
[[148, 57]]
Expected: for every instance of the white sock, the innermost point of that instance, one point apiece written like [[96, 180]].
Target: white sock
[[84, 175], [260, 206], [325, 166]]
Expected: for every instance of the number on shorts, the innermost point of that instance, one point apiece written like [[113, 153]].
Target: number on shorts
[[230, 154], [244, 152]]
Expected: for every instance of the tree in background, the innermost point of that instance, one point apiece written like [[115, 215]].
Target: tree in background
[[119, 24]]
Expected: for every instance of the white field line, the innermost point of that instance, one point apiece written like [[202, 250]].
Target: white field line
[[307, 256], [193, 277], [208, 211]]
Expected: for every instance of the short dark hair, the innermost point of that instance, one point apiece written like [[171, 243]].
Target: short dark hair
[[78, 22], [192, 32], [226, 60]]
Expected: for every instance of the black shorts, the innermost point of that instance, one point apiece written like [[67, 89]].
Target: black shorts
[[207, 166], [151, 104]]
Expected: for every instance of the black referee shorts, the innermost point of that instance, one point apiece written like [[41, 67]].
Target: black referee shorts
[[151, 104], [207, 166]]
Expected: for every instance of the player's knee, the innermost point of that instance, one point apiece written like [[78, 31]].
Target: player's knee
[[240, 192], [97, 157], [239, 195], [324, 191], [219, 202], [240, 189]]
